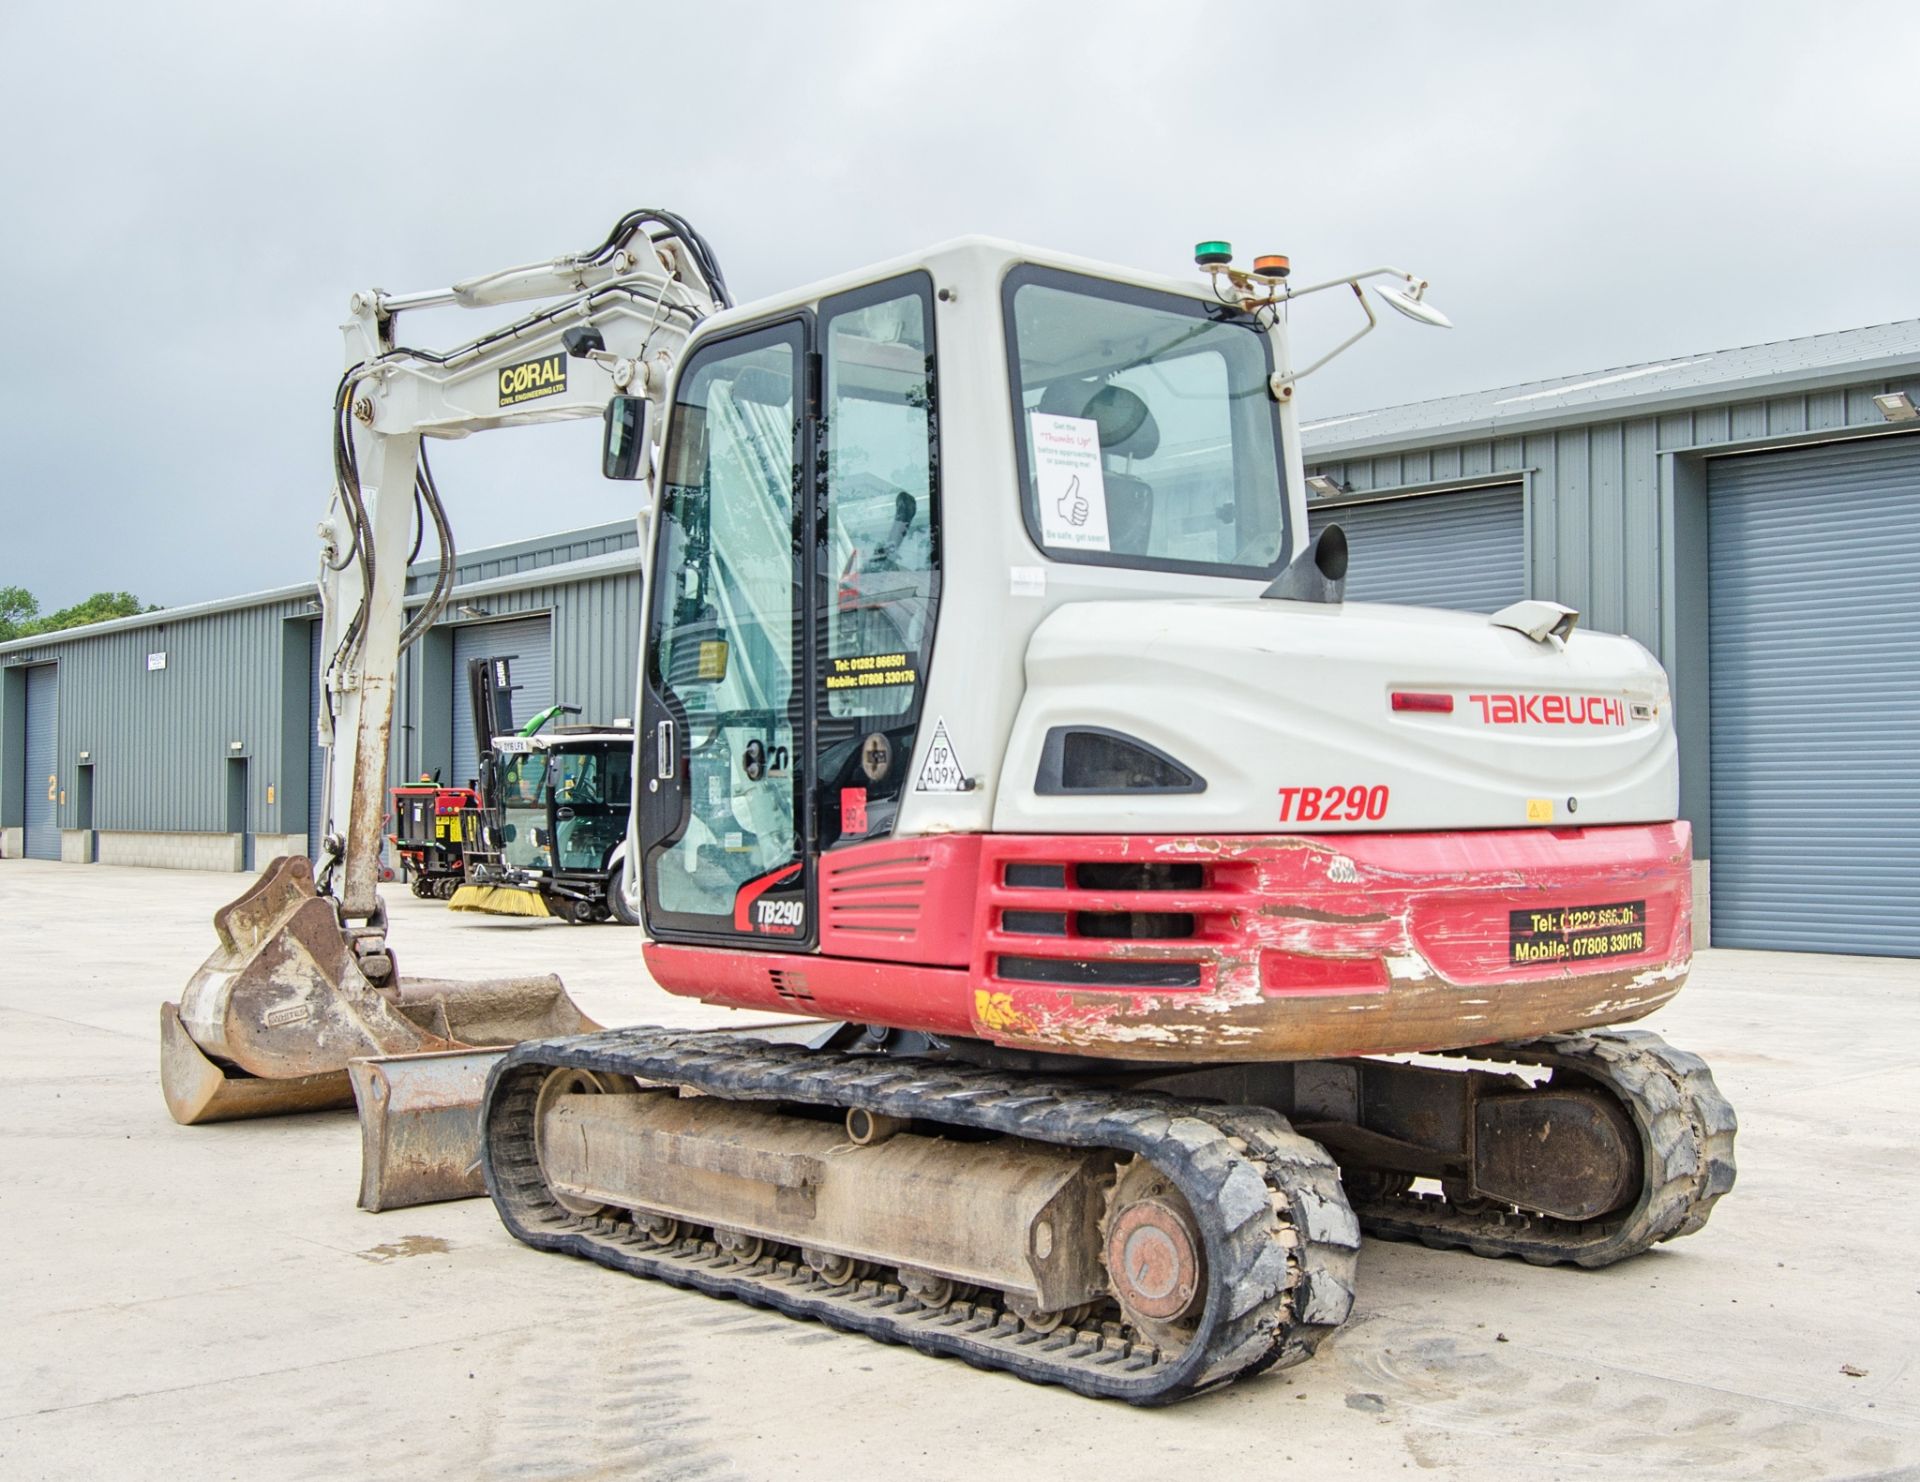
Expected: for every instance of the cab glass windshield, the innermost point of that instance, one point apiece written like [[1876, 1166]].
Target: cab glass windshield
[[1146, 431]]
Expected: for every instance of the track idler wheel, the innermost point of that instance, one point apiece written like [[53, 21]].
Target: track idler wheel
[[569, 1082], [1155, 1266]]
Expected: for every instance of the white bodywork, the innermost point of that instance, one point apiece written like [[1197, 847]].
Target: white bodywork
[[1257, 696], [1253, 694]]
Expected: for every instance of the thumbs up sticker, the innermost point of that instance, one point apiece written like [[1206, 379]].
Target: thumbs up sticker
[[1068, 485], [1073, 508]]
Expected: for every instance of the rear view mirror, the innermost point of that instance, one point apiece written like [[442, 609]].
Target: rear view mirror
[[625, 454]]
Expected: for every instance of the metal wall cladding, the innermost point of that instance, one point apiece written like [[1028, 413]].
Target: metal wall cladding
[[159, 738], [526, 556], [1594, 518], [594, 648], [1814, 674], [528, 643], [43, 781], [1465, 550]]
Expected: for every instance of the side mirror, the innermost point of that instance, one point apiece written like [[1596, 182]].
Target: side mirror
[[624, 455]]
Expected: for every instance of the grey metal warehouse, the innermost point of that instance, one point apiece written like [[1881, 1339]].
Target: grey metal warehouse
[[185, 737], [1752, 516]]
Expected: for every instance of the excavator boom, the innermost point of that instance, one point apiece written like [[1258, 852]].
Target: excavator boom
[[303, 983]]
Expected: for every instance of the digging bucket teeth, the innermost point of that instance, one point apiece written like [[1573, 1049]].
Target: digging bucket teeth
[[282, 1006]]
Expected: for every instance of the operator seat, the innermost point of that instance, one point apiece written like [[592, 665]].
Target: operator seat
[[1127, 430]]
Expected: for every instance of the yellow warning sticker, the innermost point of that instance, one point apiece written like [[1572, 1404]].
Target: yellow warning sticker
[[532, 379], [864, 671], [996, 1011], [1539, 810]]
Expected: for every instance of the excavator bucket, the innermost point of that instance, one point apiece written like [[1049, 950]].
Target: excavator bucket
[[270, 1021]]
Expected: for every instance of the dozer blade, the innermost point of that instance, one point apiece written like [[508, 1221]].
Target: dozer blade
[[420, 1126], [283, 1001], [420, 1117]]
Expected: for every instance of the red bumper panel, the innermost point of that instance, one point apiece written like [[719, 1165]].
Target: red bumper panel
[[1247, 948]]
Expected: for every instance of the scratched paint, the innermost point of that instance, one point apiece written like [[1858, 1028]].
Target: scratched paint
[[1430, 912]]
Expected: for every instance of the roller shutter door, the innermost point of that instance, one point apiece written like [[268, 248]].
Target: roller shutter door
[[316, 754], [529, 643], [42, 812], [1814, 679], [1466, 550]]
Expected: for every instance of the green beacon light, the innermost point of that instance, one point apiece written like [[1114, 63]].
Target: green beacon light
[[1213, 254]]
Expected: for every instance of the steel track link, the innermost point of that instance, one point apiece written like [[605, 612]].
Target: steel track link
[[1686, 1132], [1279, 1238]]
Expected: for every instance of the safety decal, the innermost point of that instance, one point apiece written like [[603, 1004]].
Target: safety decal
[[1068, 484], [866, 671], [532, 379], [1576, 933], [996, 1011], [1334, 804], [941, 771], [853, 811]]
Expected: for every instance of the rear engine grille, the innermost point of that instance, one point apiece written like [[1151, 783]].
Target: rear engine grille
[[792, 987], [1088, 922]]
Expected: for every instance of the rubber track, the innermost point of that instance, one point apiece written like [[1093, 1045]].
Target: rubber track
[[1686, 1135], [1280, 1240]]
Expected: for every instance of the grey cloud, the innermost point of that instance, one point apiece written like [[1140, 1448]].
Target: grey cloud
[[191, 192]]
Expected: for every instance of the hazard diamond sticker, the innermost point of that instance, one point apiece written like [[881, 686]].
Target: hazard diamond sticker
[[941, 771]]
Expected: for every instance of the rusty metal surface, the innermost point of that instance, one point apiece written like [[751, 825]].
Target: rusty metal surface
[[197, 1090], [1570, 1154], [282, 995], [420, 1126], [420, 1114], [1016, 1216], [491, 1011], [284, 1002]]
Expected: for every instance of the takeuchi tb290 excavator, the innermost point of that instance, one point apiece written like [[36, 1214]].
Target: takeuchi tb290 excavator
[[1182, 920]]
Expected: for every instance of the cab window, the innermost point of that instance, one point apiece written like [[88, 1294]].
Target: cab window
[[1147, 433]]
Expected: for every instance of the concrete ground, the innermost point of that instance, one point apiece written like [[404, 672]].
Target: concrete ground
[[208, 1301]]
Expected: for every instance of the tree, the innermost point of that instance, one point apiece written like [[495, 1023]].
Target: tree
[[19, 612], [18, 609]]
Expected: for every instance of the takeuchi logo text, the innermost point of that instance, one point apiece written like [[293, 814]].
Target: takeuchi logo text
[[1549, 710]]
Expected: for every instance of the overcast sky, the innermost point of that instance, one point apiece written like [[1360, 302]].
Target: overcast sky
[[189, 192]]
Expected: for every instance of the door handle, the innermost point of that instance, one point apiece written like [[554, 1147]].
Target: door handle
[[668, 753]]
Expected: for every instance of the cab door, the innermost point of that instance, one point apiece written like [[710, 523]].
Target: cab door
[[724, 830]]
